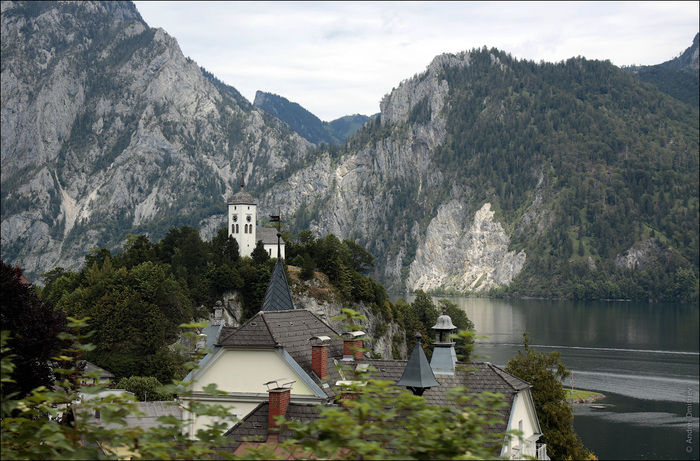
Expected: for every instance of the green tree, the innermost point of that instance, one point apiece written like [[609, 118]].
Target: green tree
[[360, 259], [135, 314], [545, 374], [34, 327], [307, 268], [145, 388], [225, 250], [259, 254]]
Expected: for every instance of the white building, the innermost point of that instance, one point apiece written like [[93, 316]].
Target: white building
[[242, 225]]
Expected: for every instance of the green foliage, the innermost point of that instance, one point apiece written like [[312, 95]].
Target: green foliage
[[34, 326], [422, 314], [41, 425], [259, 255], [383, 421], [144, 388], [546, 373]]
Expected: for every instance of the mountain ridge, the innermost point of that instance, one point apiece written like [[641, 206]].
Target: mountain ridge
[[307, 124], [482, 174]]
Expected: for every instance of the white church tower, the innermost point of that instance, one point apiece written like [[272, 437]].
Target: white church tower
[[242, 219], [242, 225]]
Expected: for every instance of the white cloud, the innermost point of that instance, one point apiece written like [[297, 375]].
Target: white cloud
[[337, 58]]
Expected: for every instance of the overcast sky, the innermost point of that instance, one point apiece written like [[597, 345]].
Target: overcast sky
[[340, 58]]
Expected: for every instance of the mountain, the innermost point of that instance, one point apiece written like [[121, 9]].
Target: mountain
[[307, 124], [678, 77], [107, 129], [483, 174]]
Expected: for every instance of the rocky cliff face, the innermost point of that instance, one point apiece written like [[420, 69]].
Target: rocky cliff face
[[459, 257], [382, 194], [107, 129]]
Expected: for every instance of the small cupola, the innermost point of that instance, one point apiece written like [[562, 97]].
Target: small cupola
[[443, 328], [444, 355]]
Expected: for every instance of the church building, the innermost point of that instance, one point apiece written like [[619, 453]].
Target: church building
[[242, 225]]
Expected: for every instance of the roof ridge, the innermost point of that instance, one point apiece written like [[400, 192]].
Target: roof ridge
[[267, 325], [500, 372]]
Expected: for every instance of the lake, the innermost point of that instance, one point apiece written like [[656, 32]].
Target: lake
[[643, 357]]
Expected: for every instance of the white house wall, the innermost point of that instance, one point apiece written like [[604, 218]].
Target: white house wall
[[247, 371], [522, 411]]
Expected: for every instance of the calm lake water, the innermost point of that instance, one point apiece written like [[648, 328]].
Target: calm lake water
[[643, 357]]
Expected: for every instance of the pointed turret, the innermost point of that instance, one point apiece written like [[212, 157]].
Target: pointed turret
[[418, 375], [278, 297]]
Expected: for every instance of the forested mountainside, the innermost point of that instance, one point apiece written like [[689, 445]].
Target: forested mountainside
[[678, 77], [107, 129], [307, 124], [485, 172], [572, 179]]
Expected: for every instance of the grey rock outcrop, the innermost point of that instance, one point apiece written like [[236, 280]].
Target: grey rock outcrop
[[458, 257], [107, 129]]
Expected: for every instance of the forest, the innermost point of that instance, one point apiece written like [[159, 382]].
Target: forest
[[613, 160], [137, 297]]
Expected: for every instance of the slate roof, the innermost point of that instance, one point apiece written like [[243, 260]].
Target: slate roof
[[254, 427], [476, 377], [278, 297], [91, 367], [152, 411], [242, 198], [268, 235], [290, 329]]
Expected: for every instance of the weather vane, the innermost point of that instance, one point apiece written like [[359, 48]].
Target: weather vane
[[277, 218]]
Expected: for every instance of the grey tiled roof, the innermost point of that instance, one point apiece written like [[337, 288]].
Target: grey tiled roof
[[290, 329], [476, 377], [278, 297], [151, 412], [268, 236], [242, 198], [254, 427]]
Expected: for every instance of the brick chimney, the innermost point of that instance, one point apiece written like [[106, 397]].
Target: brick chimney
[[319, 360], [279, 401], [352, 346]]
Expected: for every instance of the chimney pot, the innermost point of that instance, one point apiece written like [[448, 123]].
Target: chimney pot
[[319, 360], [279, 401]]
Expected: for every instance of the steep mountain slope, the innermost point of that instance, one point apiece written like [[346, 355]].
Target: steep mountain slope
[[108, 129], [485, 171], [572, 179], [307, 124]]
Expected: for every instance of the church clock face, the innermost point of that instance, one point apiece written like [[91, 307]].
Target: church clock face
[[248, 218], [235, 218]]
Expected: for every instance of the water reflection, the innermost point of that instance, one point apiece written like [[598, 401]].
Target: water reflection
[[643, 357]]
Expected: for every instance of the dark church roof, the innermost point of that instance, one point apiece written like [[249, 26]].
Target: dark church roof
[[278, 297], [268, 236], [418, 373]]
